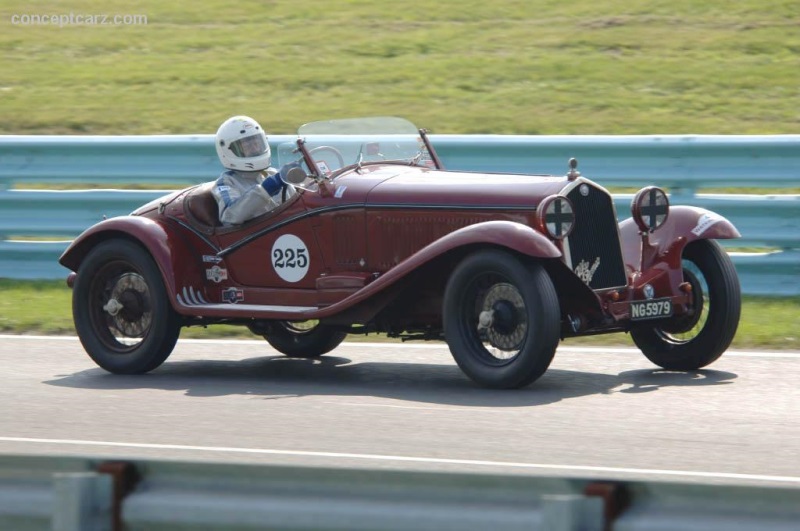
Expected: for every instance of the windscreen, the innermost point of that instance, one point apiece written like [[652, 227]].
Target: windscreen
[[335, 144], [377, 125]]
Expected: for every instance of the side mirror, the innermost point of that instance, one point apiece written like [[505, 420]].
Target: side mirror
[[295, 176]]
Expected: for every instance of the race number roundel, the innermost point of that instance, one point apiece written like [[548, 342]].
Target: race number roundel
[[290, 258]]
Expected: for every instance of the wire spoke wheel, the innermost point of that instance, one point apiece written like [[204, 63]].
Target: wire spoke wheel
[[685, 328], [126, 309], [501, 319], [303, 339], [301, 327], [120, 307], [699, 337], [121, 311]]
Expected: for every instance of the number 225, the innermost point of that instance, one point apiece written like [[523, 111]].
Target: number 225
[[290, 258]]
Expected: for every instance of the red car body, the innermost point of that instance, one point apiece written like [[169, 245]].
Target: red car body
[[370, 246]]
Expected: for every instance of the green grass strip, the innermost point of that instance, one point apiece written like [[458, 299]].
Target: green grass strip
[[43, 307]]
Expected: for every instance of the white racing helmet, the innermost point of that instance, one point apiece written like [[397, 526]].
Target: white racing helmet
[[242, 145]]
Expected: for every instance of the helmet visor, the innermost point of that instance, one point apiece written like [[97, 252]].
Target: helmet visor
[[249, 146]]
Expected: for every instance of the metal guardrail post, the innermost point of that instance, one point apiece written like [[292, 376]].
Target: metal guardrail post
[[125, 476], [82, 502], [572, 512]]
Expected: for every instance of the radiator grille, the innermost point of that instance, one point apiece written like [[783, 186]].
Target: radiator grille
[[594, 246]]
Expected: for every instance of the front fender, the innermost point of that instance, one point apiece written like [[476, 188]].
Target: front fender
[[516, 236], [508, 234], [684, 225], [161, 242]]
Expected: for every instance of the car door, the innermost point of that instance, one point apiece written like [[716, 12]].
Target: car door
[[275, 258]]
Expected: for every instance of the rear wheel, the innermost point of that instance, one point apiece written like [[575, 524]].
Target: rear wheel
[[303, 339], [121, 311], [501, 319], [691, 341]]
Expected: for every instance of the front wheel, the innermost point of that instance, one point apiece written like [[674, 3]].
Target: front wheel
[[501, 319], [688, 342], [121, 311], [303, 339]]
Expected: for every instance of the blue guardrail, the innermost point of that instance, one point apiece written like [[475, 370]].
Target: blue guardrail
[[36, 225]]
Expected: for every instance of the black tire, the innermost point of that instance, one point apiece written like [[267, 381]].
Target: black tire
[[139, 335], [690, 342], [304, 339], [519, 299]]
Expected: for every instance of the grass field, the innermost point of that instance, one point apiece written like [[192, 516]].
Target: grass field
[[45, 308], [454, 66]]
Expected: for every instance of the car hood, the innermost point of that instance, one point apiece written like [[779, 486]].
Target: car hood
[[419, 186]]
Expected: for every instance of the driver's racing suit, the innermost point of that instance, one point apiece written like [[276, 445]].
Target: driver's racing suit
[[243, 195]]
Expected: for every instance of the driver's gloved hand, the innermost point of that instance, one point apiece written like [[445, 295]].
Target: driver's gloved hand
[[288, 166], [273, 184]]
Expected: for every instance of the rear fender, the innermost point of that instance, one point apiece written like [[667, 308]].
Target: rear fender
[[170, 252], [684, 225], [505, 234]]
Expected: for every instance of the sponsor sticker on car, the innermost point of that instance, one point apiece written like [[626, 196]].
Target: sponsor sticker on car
[[705, 221], [232, 295], [651, 309], [217, 274], [323, 168]]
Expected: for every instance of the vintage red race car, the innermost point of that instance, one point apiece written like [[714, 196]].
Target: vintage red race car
[[380, 238]]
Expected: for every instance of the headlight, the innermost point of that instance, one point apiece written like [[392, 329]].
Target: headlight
[[556, 216], [650, 208]]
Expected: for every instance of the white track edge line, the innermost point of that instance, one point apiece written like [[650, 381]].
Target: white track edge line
[[433, 460]]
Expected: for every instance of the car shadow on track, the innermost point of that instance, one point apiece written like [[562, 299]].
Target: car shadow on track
[[279, 377]]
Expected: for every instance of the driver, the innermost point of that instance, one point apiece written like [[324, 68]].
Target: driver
[[249, 187]]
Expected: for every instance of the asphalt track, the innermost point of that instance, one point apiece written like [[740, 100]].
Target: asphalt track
[[598, 412]]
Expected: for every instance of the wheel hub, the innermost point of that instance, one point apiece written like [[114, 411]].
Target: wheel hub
[[113, 307], [128, 306], [502, 317], [132, 304], [505, 317], [688, 321]]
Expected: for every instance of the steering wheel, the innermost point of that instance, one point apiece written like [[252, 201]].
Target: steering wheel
[[333, 150]]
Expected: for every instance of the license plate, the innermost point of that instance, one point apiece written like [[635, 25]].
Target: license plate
[[652, 309]]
